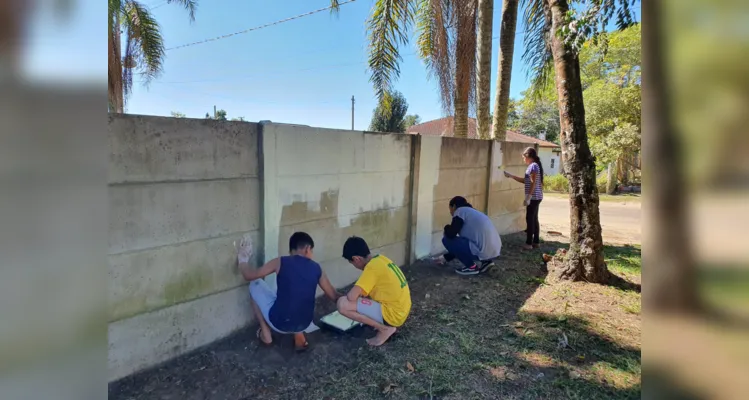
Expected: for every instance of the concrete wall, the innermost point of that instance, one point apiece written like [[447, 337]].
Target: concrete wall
[[181, 191], [506, 195], [334, 184], [450, 167]]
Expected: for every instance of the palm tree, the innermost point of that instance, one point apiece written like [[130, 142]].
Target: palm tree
[[144, 46], [483, 67], [504, 69], [446, 43], [552, 42]]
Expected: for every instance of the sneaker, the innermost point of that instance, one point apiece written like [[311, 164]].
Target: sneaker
[[485, 265], [472, 270]]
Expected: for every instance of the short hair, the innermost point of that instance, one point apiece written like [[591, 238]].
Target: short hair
[[459, 201], [300, 240], [355, 246]]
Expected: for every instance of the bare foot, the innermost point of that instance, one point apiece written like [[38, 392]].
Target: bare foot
[[264, 336], [382, 336], [300, 342]]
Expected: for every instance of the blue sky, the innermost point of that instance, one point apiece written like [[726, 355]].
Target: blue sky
[[303, 71]]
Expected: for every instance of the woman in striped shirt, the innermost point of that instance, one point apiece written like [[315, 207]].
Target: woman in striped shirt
[[533, 180]]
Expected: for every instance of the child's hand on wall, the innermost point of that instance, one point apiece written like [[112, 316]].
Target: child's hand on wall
[[244, 250]]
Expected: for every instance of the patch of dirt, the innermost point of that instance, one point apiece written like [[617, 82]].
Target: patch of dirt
[[495, 335]]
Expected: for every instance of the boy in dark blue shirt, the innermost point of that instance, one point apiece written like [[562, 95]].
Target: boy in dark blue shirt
[[289, 309]]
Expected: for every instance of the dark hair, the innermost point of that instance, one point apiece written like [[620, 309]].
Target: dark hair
[[300, 240], [532, 154], [355, 246], [459, 201]]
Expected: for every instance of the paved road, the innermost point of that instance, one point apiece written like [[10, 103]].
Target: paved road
[[620, 221]]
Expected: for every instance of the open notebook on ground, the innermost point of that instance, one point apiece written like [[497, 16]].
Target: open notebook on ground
[[339, 322]]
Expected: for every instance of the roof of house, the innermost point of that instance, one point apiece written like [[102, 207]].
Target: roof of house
[[444, 127]]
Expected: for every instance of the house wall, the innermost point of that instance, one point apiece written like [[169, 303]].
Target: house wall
[[182, 191], [550, 160]]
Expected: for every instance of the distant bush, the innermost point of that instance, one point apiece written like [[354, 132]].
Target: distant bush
[[601, 182], [556, 183]]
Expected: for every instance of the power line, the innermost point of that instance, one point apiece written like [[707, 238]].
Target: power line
[[260, 27], [285, 72]]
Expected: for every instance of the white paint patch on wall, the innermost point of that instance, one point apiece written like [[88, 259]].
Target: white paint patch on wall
[[429, 172], [366, 172]]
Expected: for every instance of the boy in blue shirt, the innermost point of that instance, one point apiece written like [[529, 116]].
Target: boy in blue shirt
[[290, 308]]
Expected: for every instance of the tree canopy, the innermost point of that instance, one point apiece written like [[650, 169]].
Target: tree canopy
[[390, 116], [610, 69]]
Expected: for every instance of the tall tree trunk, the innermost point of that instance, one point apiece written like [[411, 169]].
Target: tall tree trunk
[[114, 75], [504, 70], [465, 57], [671, 281], [584, 260], [483, 67], [611, 178]]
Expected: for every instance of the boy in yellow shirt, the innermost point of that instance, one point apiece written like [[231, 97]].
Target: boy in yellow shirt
[[380, 298]]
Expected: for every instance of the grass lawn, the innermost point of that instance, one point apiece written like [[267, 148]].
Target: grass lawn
[[504, 334]]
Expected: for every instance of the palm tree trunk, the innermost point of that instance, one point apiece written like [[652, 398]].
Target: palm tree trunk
[[504, 70], [114, 75], [483, 67], [671, 285], [584, 260], [465, 56]]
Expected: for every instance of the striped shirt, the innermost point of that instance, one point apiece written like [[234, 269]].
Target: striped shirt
[[538, 193]]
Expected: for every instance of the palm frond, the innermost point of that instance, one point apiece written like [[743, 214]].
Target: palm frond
[[189, 5], [335, 7], [144, 49], [537, 55], [433, 44], [388, 29], [622, 10]]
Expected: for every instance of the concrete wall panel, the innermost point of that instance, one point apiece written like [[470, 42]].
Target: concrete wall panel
[[149, 149], [464, 153], [151, 215], [150, 338], [147, 280]]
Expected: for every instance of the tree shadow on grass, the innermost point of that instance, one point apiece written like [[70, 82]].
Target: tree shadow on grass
[[570, 359]]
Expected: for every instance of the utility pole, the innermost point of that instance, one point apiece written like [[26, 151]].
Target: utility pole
[[352, 112], [214, 112]]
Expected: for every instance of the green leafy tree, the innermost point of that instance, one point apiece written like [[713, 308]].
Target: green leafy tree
[[144, 50], [390, 116], [411, 120], [536, 117], [177, 114]]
